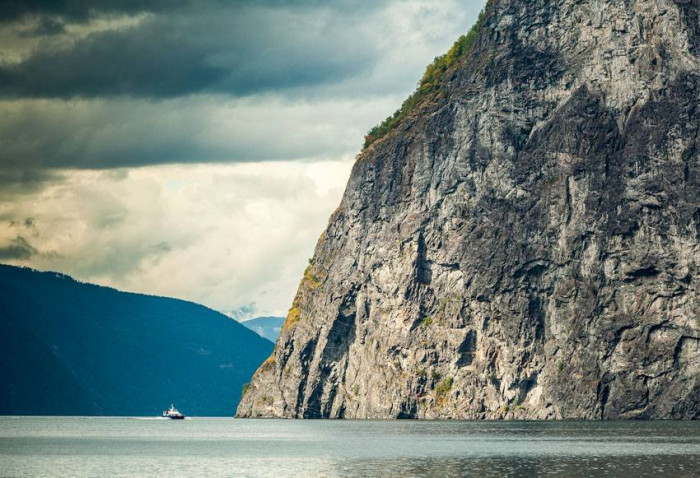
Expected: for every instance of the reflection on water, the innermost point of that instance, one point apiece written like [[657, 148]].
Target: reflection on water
[[79, 447], [565, 467]]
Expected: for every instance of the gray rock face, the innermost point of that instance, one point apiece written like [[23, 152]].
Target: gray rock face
[[526, 243]]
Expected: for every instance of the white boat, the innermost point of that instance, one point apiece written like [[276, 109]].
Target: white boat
[[173, 413]]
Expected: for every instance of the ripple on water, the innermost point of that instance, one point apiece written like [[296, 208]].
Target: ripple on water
[[122, 447]]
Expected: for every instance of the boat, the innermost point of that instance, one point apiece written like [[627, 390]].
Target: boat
[[173, 413]]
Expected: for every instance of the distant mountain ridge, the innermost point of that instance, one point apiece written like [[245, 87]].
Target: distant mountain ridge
[[72, 348], [267, 327]]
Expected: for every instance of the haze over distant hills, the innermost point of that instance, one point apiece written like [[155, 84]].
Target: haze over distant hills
[[70, 348], [268, 327]]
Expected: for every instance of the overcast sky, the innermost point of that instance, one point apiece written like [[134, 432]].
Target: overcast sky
[[196, 149]]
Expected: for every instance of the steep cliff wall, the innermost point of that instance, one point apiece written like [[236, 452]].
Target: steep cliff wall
[[525, 243]]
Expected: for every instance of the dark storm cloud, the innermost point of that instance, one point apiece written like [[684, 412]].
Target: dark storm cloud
[[140, 63], [39, 136], [16, 181], [78, 10], [99, 84], [238, 51], [17, 249], [133, 91], [46, 27], [81, 10]]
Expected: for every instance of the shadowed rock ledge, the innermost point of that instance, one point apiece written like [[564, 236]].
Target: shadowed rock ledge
[[525, 243]]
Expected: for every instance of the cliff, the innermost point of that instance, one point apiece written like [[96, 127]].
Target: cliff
[[524, 242]]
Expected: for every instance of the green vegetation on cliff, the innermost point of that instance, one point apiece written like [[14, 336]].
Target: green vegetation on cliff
[[312, 280], [431, 81]]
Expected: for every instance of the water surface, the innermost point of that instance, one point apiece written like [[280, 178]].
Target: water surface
[[211, 447]]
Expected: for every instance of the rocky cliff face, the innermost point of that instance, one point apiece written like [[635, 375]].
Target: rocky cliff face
[[525, 244]]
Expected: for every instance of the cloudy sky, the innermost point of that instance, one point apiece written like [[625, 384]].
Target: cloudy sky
[[196, 149]]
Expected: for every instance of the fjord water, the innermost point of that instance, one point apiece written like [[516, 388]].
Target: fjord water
[[132, 447]]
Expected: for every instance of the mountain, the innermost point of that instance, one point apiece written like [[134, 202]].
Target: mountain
[[522, 238], [268, 327], [69, 348]]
